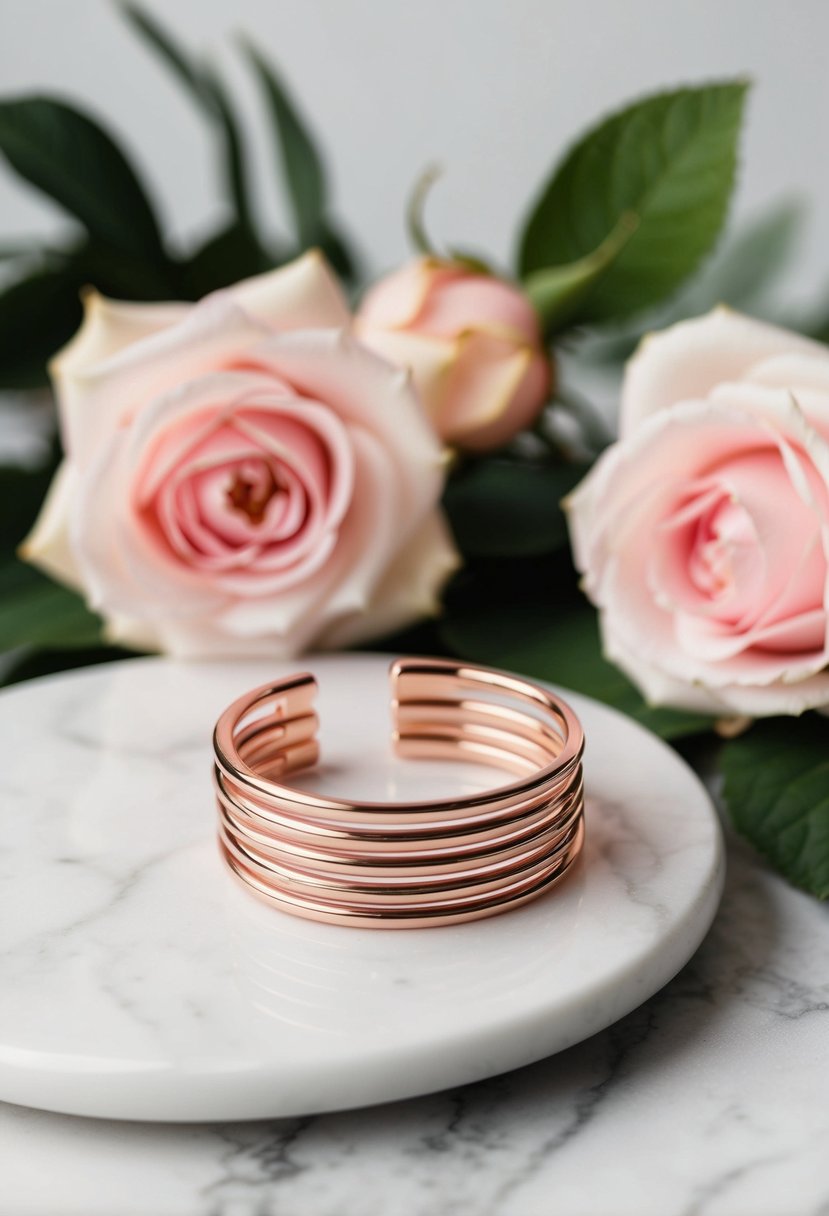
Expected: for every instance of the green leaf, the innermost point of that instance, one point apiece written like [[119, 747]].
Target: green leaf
[[206, 89], [229, 255], [41, 312], [558, 292], [339, 253], [31, 664], [669, 160], [37, 316], [167, 49], [562, 646], [741, 274], [500, 508], [74, 161], [777, 794], [234, 154], [22, 491], [38, 613], [301, 162], [303, 166], [122, 275], [11, 251]]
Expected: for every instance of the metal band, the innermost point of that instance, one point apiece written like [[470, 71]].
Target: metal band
[[406, 864]]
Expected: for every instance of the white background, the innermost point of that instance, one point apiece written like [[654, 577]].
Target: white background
[[491, 89]]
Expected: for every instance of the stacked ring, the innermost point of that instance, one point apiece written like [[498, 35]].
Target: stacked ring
[[408, 864]]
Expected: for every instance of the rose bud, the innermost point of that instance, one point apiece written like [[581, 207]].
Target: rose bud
[[472, 342]]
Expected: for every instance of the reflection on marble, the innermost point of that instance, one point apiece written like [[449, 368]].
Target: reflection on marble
[[709, 1100], [138, 981]]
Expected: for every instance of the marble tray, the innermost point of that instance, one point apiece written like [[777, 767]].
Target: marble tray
[[137, 981]]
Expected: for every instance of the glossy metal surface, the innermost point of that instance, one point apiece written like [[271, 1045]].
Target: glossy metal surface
[[404, 864]]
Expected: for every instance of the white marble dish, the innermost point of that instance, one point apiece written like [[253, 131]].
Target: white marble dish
[[137, 981]]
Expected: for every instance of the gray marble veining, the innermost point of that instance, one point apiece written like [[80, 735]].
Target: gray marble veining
[[709, 1100]]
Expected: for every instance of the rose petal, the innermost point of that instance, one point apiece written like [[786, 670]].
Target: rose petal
[[680, 564], [670, 449], [109, 326], [305, 294], [759, 498], [485, 379], [409, 590], [367, 539], [480, 303], [106, 396], [395, 301], [310, 438], [806, 377], [430, 360], [120, 565], [785, 643], [177, 424], [282, 517], [178, 431], [132, 633], [686, 361], [635, 485], [48, 545], [661, 688], [517, 409], [170, 443], [335, 368]]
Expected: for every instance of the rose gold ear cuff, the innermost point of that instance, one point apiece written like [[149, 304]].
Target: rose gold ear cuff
[[407, 864]]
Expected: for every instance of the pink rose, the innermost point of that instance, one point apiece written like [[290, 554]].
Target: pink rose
[[472, 342], [241, 476], [703, 534]]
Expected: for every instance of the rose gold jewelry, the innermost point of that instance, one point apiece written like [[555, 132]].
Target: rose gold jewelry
[[407, 864]]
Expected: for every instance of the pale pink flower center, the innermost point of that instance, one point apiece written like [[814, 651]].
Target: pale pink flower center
[[252, 486], [742, 547], [724, 543], [249, 491]]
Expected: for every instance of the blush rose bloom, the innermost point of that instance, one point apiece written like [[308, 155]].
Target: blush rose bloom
[[703, 534], [241, 475], [472, 342]]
